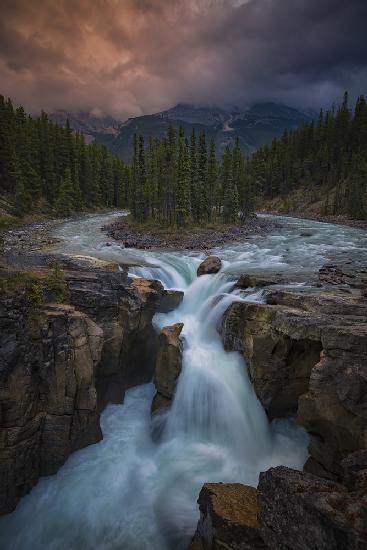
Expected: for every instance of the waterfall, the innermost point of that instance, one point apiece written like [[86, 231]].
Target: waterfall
[[138, 492]]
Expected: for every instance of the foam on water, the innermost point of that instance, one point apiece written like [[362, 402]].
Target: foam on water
[[137, 488]]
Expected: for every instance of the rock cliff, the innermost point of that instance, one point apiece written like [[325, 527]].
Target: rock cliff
[[61, 363], [306, 351], [48, 400], [289, 510]]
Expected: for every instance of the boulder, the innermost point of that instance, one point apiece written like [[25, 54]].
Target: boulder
[[170, 300], [228, 518], [301, 511], [168, 365], [211, 264], [253, 280], [306, 351]]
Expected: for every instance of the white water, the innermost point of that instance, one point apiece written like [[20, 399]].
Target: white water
[[137, 488]]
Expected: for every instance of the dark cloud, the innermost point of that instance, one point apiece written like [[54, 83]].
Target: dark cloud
[[128, 57]]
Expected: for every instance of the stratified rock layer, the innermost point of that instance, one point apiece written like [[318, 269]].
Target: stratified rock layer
[[124, 309], [168, 365], [306, 352], [48, 399], [61, 363]]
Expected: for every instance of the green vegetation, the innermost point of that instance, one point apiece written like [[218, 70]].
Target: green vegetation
[[327, 157], [179, 182], [47, 167], [36, 286], [56, 283], [44, 166], [31, 286]]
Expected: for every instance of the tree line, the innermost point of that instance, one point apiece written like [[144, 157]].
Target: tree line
[[328, 155], [48, 166], [180, 181], [45, 166]]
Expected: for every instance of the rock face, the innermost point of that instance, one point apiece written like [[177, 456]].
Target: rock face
[[124, 309], [170, 300], [168, 365], [289, 510], [247, 280], [211, 264], [301, 511], [60, 367], [307, 354], [228, 517], [48, 400]]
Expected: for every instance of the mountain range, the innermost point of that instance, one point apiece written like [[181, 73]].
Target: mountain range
[[254, 127]]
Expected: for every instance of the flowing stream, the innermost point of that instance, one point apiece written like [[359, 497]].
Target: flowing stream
[[137, 488]]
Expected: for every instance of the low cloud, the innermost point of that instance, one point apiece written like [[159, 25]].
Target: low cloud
[[130, 57]]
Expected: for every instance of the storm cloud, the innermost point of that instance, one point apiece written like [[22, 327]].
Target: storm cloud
[[131, 57]]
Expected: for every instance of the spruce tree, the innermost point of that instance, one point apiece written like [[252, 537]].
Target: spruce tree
[[183, 181], [65, 202]]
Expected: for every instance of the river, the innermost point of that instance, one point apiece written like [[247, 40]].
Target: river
[[132, 491]]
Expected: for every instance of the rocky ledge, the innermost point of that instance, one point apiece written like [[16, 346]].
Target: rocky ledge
[[60, 363], [289, 510]]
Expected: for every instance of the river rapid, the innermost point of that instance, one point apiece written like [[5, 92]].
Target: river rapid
[[137, 488]]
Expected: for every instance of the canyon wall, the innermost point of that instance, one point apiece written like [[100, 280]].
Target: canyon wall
[[61, 363], [306, 351]]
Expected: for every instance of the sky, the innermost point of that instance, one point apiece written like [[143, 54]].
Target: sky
[[131, 57]]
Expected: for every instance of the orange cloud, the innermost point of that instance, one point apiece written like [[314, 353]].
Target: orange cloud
[[128, 57]]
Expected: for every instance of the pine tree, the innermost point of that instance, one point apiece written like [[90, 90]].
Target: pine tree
[[230, 195], [65, 202], [203, 207], [183, 181]]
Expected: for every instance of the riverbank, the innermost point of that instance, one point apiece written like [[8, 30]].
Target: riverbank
[[337, 220], [36, 236], [193, 238]]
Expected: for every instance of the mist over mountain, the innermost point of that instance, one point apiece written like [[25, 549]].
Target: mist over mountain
[[254, 127], [88, 124]]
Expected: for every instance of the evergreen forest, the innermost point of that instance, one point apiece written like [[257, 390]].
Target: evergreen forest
[[48, 167], [327, 156], [181, 180]]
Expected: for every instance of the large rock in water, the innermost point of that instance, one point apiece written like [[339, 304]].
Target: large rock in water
[[307, 355], [168, 365], [228, 518], [211, 264], [300, 511]]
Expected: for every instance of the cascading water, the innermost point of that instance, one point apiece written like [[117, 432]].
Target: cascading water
[[138, 492]]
